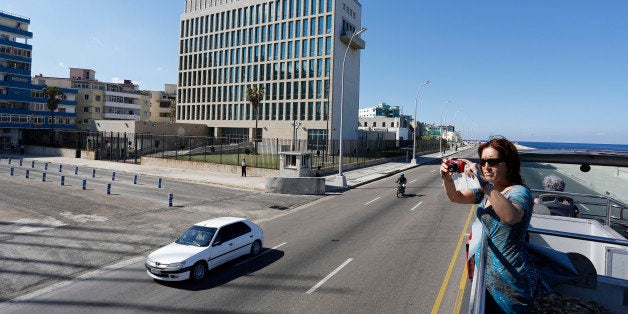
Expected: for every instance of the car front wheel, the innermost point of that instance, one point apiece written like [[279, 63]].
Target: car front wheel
[[198, 271], [256, 247]]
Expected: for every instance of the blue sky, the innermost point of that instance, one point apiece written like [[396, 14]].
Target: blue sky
[[535, 70]]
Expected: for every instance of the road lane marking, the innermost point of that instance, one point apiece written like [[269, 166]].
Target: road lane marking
[[412, 181], [461, 287], [443, 286], [320, 283], [258, 255], [373, 200], [417, 205]]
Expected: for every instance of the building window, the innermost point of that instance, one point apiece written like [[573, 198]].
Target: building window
[[86, 97]]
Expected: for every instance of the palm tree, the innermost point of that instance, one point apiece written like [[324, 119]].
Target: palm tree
[[54, 97], [254, 95]]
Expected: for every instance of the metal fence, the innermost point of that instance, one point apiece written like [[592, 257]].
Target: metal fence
[[128, 147]]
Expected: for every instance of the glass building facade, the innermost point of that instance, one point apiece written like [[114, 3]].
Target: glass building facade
[[287, 47]]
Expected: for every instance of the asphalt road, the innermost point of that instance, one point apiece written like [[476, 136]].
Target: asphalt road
[[361, 251], [364, 250], [51, 233]]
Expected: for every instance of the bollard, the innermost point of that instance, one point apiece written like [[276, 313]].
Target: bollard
[[84, 184], [108, 188], [46, 166], [60, 168], [93, 173], [135, 179], [159, 183], [33, 164], [27, 173], [170, 197], [43, 177], [113, 176], [20, 162], [9, 160], [76, 170], [62, 180], [12, 170]]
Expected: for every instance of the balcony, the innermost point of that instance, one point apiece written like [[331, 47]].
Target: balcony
[[122, 105], [119, 116], [356, 43]]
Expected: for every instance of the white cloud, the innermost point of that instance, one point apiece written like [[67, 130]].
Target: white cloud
[[98, 42], [600, 134], [62, 65], [160, 69]]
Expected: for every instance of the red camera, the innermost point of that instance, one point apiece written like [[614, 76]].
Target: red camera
[[455, 165]]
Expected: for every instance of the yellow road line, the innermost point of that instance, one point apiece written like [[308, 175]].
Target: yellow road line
[[461, 287], [443, 286]]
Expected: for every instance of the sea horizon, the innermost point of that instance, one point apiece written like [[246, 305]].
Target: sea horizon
[[564, 145]]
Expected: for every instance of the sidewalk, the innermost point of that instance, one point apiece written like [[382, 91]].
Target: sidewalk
[[354, 178]]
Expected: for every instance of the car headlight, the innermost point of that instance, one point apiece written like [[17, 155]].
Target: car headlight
[[176, 265]]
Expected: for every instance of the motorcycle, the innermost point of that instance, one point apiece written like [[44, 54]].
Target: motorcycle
[[401, 190]]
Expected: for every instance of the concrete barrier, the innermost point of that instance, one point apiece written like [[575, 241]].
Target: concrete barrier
[[297, 186]]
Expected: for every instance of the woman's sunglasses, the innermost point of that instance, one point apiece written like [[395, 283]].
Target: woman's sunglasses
[[490, 161]]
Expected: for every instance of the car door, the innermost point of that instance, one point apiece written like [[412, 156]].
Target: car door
[[223, 249], [243, 238]]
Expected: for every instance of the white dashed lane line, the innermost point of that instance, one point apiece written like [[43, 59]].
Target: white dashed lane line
[[320, 283], [372, 200]]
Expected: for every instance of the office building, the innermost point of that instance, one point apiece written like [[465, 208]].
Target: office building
[[293, 49], [23, 108]]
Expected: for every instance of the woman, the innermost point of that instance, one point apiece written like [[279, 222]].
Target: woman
[[505, 211]]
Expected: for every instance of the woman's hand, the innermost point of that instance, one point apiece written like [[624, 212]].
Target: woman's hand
[[444, 171]]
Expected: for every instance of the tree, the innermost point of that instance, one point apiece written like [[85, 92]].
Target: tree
[[173, 110], [255, 95], [54, 97]]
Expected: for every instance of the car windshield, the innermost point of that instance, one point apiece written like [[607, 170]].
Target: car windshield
[[197, 236]]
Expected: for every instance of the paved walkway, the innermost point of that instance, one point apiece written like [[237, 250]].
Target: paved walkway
[[597, 180], [354, 177]]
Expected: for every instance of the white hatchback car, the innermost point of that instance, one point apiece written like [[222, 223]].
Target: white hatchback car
[[204, 246]]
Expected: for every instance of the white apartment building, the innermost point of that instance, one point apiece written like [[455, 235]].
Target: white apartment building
[[101, 100], [387, 120], [294, 49]]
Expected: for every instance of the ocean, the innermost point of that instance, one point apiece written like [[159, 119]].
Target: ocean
[[582, 146]]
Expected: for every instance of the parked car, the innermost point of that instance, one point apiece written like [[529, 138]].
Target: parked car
[[204, 246]]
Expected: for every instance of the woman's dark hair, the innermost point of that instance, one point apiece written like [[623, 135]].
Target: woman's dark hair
[[508, 152]]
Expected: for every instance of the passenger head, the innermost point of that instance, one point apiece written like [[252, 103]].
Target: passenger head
[[507, 152], [402, 175], [553, 183]]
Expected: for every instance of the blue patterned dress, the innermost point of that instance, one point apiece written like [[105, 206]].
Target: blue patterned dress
[[510, 275]]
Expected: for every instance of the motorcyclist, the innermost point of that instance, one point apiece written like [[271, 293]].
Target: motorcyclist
[[401, 180]]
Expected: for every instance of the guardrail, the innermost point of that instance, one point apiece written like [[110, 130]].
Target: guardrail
[[610, 203]]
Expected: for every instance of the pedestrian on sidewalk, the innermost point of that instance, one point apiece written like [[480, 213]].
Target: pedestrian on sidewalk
[[243, 167]]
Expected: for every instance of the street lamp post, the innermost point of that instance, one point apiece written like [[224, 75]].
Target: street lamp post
[[343, 180], [455, 138], [416, 121], [295, 126], [440, 140]]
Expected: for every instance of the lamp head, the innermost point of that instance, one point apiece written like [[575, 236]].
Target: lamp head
[[360, 31]]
